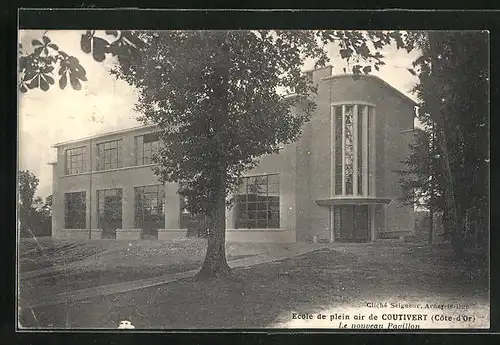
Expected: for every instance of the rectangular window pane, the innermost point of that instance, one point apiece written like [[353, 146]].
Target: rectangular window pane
[[252, 224], [262, 224], [262, 214], [262, 206], [253, 215], [252, 206], [251, 197]]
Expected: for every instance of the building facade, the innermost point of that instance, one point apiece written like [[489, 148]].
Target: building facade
[[336, 183]]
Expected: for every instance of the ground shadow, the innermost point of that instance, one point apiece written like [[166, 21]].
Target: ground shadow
[[266, 292]]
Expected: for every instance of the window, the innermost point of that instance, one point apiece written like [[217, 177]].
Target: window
[[109, 209], [360, 150], [75, 210], [258, 203], [150, 207], [108, 155], [353, 142], [369, 136], [76, 160], [145, 147], [338, 150], [349, 141]]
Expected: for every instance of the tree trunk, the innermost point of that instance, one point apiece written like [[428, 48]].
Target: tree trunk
[[446, 226], [454, 225], [431, 225], [215, 264]]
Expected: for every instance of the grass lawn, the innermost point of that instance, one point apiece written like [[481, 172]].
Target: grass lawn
[[267, 294], [85, 277], [47, 252], [98, 263]]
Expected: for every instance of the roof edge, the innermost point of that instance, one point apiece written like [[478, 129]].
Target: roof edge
[[378, 79], [96, 136]]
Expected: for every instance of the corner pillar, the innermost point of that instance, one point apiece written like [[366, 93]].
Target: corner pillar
[[172, 230]]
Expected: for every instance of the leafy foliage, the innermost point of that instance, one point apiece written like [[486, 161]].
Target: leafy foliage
[[357, 47], [454, 108], [421, 181], [34, 215], [223, 111], [36, 68]]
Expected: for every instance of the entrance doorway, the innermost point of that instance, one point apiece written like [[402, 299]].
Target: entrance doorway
[[351, 223]]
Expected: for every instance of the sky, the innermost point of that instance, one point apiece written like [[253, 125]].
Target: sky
[[106, 104]]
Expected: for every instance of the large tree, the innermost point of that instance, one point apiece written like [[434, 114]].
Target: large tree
[[421, 178], [213, 95], [453, 89], [34, 215]]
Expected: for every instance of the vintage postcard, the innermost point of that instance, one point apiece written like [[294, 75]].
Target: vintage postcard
[[253, 179]]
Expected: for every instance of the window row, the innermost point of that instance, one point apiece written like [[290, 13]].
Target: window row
[[149, 208], [257, 206], [109, 154]]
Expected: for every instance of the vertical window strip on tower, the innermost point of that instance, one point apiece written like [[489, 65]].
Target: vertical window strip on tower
[[349, 119]]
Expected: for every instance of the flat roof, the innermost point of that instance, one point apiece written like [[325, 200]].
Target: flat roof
[[96, 136], [377, 79]]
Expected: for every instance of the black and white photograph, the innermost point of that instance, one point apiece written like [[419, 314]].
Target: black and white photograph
[[324, 179]]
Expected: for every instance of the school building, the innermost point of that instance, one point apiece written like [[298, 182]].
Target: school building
[[336, 183]]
